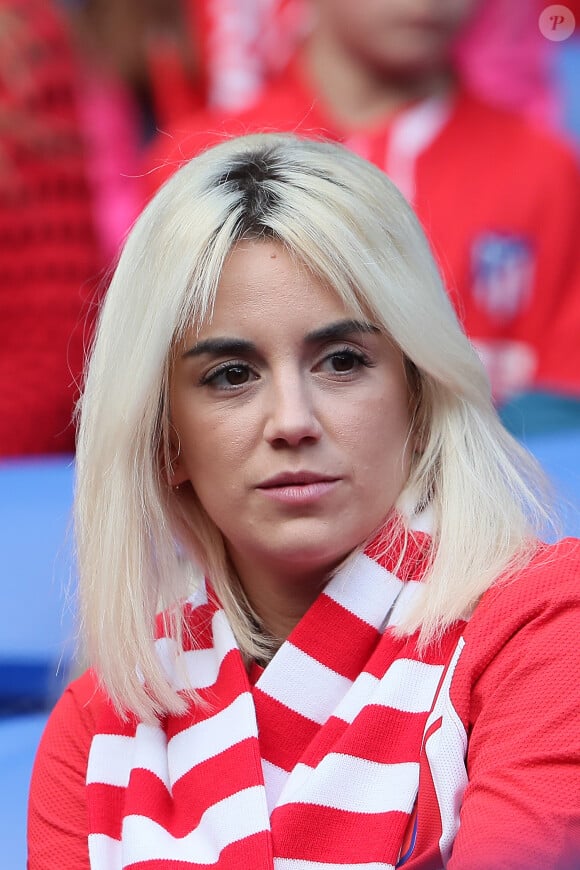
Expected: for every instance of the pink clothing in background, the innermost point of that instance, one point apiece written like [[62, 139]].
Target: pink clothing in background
[[504, 58], [110, 122]]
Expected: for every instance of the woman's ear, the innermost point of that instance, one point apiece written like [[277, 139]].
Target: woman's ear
[[178, 474], [177, 471]]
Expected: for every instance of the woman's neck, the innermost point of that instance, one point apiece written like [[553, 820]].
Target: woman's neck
[[357, 95], [280, 598]]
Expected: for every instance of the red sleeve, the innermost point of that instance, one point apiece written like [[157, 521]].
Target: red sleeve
[[57, 811], [521, 808]]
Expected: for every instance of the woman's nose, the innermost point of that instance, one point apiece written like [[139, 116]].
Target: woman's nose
[[291, 416]]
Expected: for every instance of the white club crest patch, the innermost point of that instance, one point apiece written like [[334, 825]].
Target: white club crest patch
[[502, 268]]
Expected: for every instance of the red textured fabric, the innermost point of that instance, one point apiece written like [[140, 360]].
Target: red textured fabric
[[520, 697], [499, 201], [513, 694], [48, 251]]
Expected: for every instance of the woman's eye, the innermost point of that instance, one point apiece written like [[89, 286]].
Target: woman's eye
[[229, 376], [236, 375], [345, 361]]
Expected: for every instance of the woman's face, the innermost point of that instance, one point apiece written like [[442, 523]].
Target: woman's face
[[291, 418], [403, 37]]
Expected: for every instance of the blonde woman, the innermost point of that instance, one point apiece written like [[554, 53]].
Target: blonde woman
[[287, 447]]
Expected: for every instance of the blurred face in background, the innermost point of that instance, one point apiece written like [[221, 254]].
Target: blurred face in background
[[399, 37]]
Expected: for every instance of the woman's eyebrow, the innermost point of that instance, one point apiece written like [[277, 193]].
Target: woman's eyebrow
[[220, 346], [224, 346], [340, 329]]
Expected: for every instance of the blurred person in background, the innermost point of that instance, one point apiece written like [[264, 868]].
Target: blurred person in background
[[49, 255], [144, 64], [498, 198], [142, 44], [239, 45], [126, 49], [111, 110], [149, 63]]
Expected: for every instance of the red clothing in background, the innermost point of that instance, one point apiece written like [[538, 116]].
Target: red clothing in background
[[48, 251], [241, 44], [499, 201]]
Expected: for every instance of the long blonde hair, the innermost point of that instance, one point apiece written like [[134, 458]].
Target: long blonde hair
[[141, 545]]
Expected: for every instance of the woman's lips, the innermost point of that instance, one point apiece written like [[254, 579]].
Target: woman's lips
[[299, 493], [297, 487]]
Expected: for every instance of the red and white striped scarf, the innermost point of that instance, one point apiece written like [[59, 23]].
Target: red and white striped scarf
[[312, 762]]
